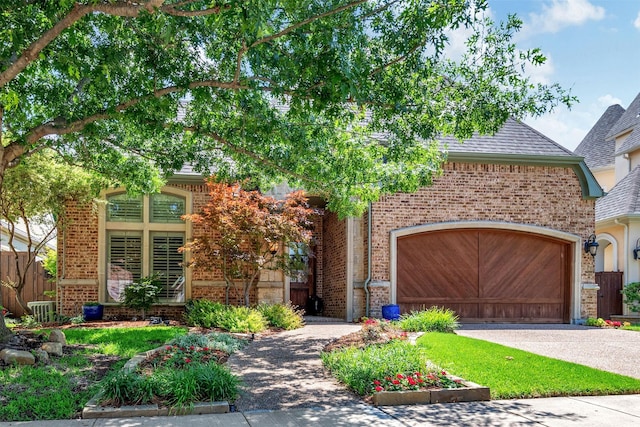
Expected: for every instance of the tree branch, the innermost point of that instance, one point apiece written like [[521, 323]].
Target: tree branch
[[118, 8]]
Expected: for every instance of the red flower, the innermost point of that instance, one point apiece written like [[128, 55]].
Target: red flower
[[411, 381], [168, 348], [444, 372], [192, 348], [420, 380], [187, 360], [205, 349], [396, 382], [378, 388], [376, 382], [400, 376]]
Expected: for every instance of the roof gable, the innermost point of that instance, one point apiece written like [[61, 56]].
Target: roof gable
[[623, 199], [514, 138], [629, 120], [597, 150]]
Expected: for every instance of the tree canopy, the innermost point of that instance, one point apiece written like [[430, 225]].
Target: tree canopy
[[341, 97]]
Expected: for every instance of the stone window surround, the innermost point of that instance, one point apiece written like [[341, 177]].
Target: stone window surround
[[147, 228]]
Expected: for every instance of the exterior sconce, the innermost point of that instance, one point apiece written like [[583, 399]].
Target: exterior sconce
[[591, 246], [636, 251]]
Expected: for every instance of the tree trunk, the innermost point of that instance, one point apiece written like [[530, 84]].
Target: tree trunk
[[5, 332], [22, 302]]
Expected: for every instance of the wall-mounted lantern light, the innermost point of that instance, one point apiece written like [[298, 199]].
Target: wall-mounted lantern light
[[636, 251], [591, 246]]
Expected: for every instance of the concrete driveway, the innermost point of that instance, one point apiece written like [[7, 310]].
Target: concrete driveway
[[608, 349]]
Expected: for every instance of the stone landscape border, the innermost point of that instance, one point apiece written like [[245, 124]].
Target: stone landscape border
[[471, 392]]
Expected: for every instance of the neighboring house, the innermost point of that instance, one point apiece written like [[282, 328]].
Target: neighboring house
[[21, 239], [497, 237], [612, 151]]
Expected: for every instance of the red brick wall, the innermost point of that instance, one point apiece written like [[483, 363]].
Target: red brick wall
[[78, 261], [548, 197], [334, 286]]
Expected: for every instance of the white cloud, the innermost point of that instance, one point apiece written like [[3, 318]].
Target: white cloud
[[560, 14], [636, 23], [605, 101]]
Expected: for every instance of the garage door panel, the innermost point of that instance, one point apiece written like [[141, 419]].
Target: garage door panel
[[523, 266], [441, 264], [485, 275]]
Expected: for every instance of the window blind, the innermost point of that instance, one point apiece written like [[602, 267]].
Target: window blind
[[167, 261]]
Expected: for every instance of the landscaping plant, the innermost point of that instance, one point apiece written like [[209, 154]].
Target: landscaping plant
[[284, 316], [631, 294], [434, 319], [142, 293]]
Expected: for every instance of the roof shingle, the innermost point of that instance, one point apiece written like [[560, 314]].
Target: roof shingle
[[597, 150]]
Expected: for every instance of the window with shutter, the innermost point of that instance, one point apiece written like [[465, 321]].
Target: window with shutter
[[167, 261], [123, 208], [142, 237], [124, 262], [167, 208]]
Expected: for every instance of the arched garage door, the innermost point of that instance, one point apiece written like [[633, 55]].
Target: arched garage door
[[485, 275]]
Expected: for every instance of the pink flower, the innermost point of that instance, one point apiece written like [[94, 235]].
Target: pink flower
[[168, 348]]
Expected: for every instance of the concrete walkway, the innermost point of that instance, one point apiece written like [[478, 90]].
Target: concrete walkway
[[595, 411], [284, 370], [608, 349]]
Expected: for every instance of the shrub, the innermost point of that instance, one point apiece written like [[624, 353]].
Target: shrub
[[203, 313], [631, 294], [142, 293], [242, 319], [283, 316], [208, 314], [358, 368], [435, 319]]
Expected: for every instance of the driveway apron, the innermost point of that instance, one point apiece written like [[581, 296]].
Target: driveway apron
[[284, 370], [607, 349]]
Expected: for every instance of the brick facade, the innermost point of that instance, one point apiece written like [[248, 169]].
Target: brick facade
[[334, 287], [549, 197], [78, 258]]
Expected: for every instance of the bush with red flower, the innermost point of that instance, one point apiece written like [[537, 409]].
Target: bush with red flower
[[416, 381]]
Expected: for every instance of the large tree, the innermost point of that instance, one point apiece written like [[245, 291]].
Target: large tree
[[302, 90], [34, 196]]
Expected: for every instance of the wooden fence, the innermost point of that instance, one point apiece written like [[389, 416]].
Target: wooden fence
[[36, 283]]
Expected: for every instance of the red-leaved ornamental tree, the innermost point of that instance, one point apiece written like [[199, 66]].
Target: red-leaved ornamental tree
[[241, 233]]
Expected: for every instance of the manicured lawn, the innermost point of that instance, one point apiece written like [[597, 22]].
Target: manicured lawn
[[512, 373], [123, 342]]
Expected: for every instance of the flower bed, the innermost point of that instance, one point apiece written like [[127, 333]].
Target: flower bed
[[184, 377]]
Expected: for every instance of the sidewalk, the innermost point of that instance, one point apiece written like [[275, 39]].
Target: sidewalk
[[618, 411]]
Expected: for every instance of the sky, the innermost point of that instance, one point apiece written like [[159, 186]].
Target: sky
[[592, 48]]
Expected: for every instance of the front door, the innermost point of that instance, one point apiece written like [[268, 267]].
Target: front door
[[609, 296], [303, 284]]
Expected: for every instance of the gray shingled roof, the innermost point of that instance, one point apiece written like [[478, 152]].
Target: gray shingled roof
[[629, 120], [623, 199], [595, 148], [514, 138]]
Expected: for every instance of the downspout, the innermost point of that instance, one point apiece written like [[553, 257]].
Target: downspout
[[368, 279]]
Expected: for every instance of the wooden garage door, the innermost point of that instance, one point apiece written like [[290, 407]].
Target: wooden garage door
[[485, 275]]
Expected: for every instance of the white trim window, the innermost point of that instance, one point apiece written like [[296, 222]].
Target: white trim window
[[142, 237]]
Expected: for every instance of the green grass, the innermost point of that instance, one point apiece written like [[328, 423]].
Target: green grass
[[61, 389], [512, 373], [123, 342], [632, 328]]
